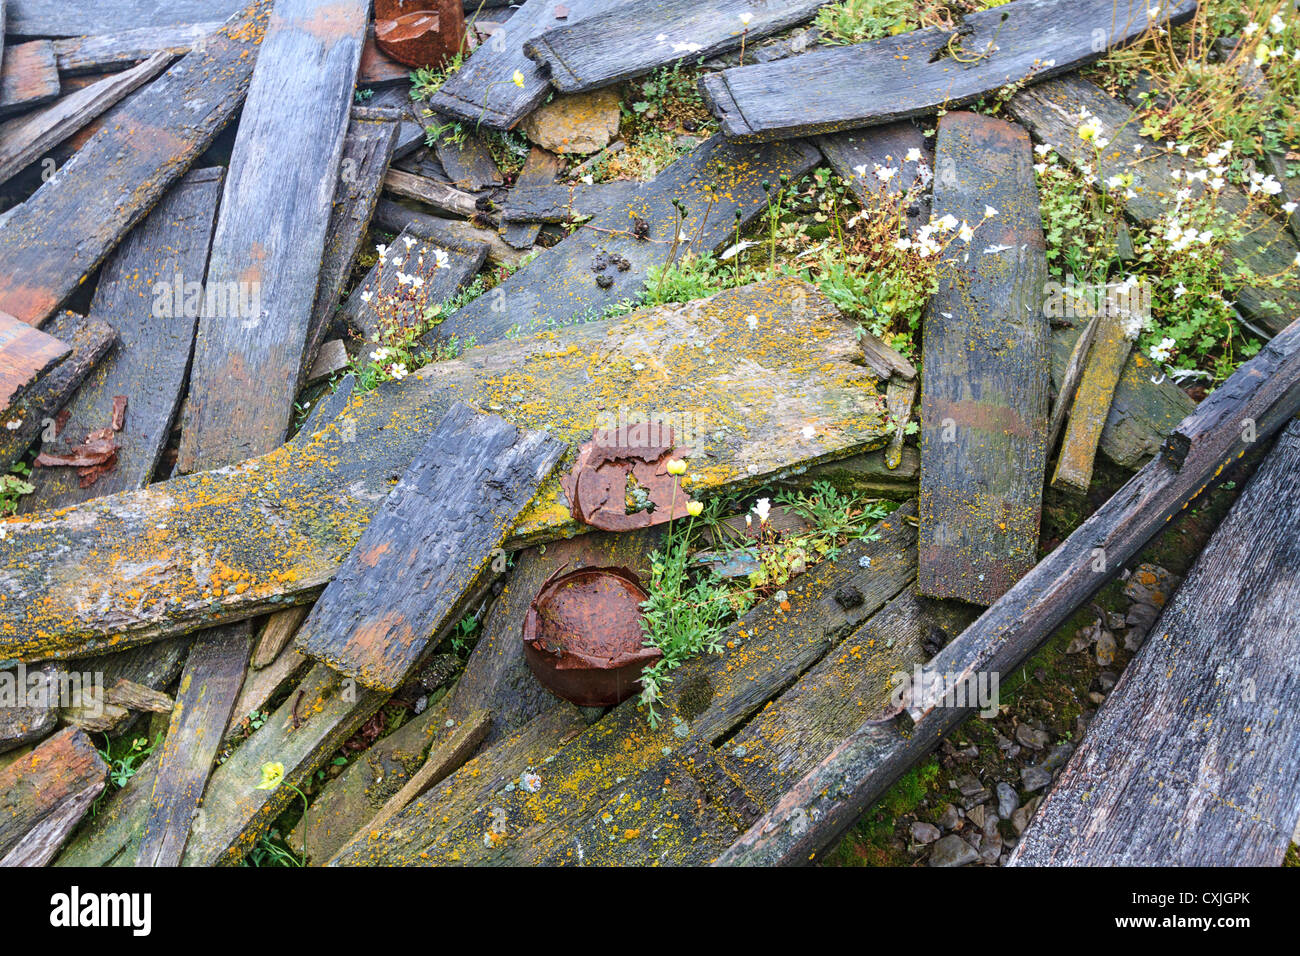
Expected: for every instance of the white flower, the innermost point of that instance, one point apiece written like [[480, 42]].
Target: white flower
[[746, 17], [885, 173], [966, 233], [1251, 29], [762, 508], [948, 223], [1180, 291], [809, 432], [1040, 168], [417, 281], [366, 295], [1262, 53], [397, 370], [1090, 130], [903, 244], [441, 259], [1288, 207], [382, 250], [409, 241], [1163, 351], [1276, 24], [1271, 186], [989, 212], [1297, 259], [913, 156], [1042, 149], [861, 171], [378, 355]]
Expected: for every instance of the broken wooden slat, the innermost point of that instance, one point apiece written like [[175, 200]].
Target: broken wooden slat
[[25, 355], [29, 76], [432, 193], [1051, 112], [429, 541], [410, 131], [900, 396], [280, 525], [584, 274], [45, 794], [25, 138], [115, 51], [331, 358], [394, 217], [984, 398], [29, 710], [275, 635], [262, 684], [149, 666], [888, 147], [149, 291], [1265, 390], [541, 168], [1106, 359], [248, 360], [612, 45], [468, 163], [1069, 379], [916, 72], [113, 180], [1192, 760], [72, 18], [565, 203]]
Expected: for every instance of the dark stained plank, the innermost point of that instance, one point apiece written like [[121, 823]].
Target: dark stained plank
[[411, 132], [25, 355], [281, 530], [541, 168], [430, 540], [483, 92], [247, 367], [916, 72], [139, 295], [24, 138], [565, 203], [214, 672], [887, 146], [714, 183], [1194, 759], [1051, 112], [34, 717], [984, 395], [1091, 408], [468, 163], [115, 51], [57, 237], [29, 76], [36, 409], [394, 217], [616, 45], [1265, 390], [44, 794], [73, 18]]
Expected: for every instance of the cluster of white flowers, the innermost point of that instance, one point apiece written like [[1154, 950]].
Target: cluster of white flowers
[[1090, 130]]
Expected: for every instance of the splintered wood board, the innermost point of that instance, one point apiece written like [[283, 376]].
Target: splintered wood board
[[44, 795], [541, 168], [29, 76], [984, 395], [74, 18], [25, 355], [114, 51], [892, 78], [228, 544], [56, 238]]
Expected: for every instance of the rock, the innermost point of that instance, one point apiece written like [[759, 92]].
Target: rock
[[1134, 638], [975, 799], [1105, 681], [991, 821], [1106, 648], [991, 851], [971, 751], [1082, 640], [949, 817], [1020, 819], [581, 123], [976, 816], [1032, 737], [1034, 778], [1058, 756], [1008, 802], [1150, 584], [968, 785], [953, 851], [1142, 616], [1004, 743], [1114, 620], [924, 832]]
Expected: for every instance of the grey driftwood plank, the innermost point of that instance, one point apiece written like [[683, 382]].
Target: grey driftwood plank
[[24, 138], [565, 203], [1194, 759], [37, 716], [57, 237], [29, 76], [35, 410], [411, 133], [431, 192], [114, 51], [430, 540], [617, 44], [855, 154], [541, 168], [142, 293], [984, 395], [714, 183], [482, 92], [1051, 112], [44, 794], [468, 163], [74, 18], [916, 72], [282, 524], [246, 367]]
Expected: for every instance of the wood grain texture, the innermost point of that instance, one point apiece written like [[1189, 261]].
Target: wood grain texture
[[617, 45], [73, 18], [716, 181], [430, 540], [139, 294], [410, 132], [1192, 760], [29, 76], [275, 634], [57, 237], [36, 409], [1106, 359], [115, 51], [984, 395], [25, 138], [916, 72], [394, 217], [1067, 383], [541, 168], [36, 715], [1051, 111], [44, 794], [25, 355], [468, 163], [280, 525], [829, 798], [248, 360], [854, 155], [565, 203], [439, 195]]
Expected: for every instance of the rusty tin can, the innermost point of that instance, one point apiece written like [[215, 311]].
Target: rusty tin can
[[428, 37]]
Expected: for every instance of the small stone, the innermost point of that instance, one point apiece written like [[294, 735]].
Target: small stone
[[1004, 743], [952, 850], [1008, 802], [849, 597], [924, 832], [976, 816], [1150, 584], [1058, 756], [1034, 778], [992, 848], [1106, 680], [1082, 640], [975, 799], [1134, 638], [949, 817], [971, 751], [1142, 616], [991, 820], [1032, 737], [968, 785], [1115, 620], [1097, 697], [581, 123], [1106, 648]]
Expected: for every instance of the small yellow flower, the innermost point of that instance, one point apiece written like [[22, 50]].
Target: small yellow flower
[[676, 466], [518, 79], [693, 508], [272, 775]]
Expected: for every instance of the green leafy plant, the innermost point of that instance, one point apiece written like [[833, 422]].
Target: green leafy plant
[[13, 486]]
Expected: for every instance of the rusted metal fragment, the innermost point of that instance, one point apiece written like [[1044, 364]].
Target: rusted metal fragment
[[424, 38], [619, 484]]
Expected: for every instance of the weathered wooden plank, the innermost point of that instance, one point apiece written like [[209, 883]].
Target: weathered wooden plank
[[584, 274], [29, 76], [541, 168], [1264, 391], [1069, 379], [483, 91], [614, 45], [57, 237], [110, 837], [1091, 408], [115, 51], [25, 355], [430, 540], [367, 151], [394, 217], [151, 666], [214, 672], [855, 154], [1192, 760], [277, 528], [25, 138], [248, 361], [30, 705], [411, 132], [73, 18], [468, 163], [148, 291], [44, 794], [263, 683], [432, 193], [277, 631], [916, 72], [984, 396], [565, 203], [381, 304], [1051, 112], [331, 357]]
